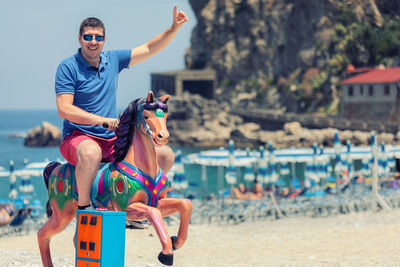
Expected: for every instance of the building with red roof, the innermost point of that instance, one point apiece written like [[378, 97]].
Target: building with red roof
[[352, 71], [389, 75], [374, 94]]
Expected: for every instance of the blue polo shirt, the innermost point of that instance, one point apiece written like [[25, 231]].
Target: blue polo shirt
[[94, 89]]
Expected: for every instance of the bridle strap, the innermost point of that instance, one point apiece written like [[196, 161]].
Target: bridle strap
[[140, 120]]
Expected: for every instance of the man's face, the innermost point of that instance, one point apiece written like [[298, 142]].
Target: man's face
[[91, 49]]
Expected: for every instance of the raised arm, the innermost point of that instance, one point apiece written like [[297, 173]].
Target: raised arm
[[68, 111], [159, 42]]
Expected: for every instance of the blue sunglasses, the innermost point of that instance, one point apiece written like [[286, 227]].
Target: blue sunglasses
[[88, 37]]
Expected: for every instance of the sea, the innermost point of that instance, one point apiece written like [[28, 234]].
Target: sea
[[14, 123]]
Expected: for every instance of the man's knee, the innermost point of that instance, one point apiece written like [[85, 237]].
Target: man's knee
[[89, 151], [165, 158]]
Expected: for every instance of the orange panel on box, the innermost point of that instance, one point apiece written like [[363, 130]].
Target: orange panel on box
[[89, 236], [82, 263]]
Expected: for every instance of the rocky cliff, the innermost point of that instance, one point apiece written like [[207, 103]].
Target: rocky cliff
[[287, 54]]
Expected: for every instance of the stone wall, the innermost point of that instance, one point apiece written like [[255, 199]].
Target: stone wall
[[361, 111]]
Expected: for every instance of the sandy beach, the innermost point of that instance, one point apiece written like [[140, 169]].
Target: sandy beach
[[358, 239]]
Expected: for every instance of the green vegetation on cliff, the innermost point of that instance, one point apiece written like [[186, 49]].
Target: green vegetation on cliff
[[364, 44]]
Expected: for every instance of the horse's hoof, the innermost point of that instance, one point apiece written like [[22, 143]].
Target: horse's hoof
[[173, 240], [166, 259]]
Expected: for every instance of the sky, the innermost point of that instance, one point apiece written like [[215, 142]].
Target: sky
[[37, 35]]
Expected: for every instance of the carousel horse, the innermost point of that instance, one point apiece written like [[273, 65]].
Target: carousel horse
[[133, 183]]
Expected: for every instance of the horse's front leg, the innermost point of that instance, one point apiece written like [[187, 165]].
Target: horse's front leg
[[140, 211], [169, 206]]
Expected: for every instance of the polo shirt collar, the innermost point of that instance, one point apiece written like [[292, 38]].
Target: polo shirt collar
[[103, 60]]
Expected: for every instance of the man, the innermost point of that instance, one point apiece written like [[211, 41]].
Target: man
[[86, 98]]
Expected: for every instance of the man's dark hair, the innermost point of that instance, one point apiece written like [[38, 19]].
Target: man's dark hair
[[93, 23]]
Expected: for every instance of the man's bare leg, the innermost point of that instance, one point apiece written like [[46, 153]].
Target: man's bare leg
[[88, 154]]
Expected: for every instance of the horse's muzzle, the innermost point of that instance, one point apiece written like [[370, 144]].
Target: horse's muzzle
[[160, 142]]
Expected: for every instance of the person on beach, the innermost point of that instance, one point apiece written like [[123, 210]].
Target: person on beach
[[241, 193], [85, 86], [5, 217]]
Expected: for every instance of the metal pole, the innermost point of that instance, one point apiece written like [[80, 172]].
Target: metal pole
[[204, 180], [338, 159], [220, 185]]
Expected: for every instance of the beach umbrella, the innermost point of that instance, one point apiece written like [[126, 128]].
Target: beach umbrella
[[248, 174], [375, 188], [374, 155], [391, 164], [383, 162], [308, 172], [311, 167], [273, 175], [314, 172], [314, 166], [262, 171], [4, 172], [248, 170], [323, 164], [349, 160], [230, 175], [324, 167], [365, 168], [13, 182], [371, 161], [179, 179], [219, 157], [337, 146], [285, 169], [26, 186], [328, 168], [33, 168]]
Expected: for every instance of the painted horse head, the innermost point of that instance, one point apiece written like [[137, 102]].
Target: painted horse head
[[147, 117], [151, 119]]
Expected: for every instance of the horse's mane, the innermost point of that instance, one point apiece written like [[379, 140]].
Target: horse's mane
[[124, 132]]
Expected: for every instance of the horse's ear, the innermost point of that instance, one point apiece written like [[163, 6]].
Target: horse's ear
[[164, 98], [150, 97]]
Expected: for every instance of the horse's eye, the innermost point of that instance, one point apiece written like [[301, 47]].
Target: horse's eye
[[146, 117]]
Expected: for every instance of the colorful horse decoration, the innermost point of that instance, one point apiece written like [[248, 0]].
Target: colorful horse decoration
[[133, 183]]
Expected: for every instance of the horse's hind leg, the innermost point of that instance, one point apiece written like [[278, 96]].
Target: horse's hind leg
[[169, 206], [140, 211], [56, 223]]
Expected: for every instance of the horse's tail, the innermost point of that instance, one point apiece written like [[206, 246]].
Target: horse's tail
[[46, 175]]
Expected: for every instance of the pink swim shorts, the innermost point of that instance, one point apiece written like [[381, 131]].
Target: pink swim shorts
[[70, 144]]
